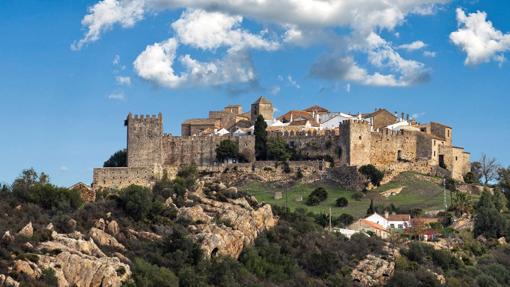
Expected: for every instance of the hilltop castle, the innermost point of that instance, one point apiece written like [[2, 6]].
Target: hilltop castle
[[381, 138]]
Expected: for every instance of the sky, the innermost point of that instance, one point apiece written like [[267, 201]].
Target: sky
[[71, 70]]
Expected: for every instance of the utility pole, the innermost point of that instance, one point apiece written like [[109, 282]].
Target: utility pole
[[286, 199], [330, 227]]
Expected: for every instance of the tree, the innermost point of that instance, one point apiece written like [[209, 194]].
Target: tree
[[471, 177], [277, 150], [450, 184], [371, 209], [118, 159], [488, 168], [374, 175], [260, 138], [461, 203], [148, 275], [227, 150], [317, 196], [504, 179], [136, 201], [345, 219], [341, 202], [488, 220]]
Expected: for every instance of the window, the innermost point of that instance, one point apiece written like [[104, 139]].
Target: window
[[392, 225], [400, 226], [360, 137]]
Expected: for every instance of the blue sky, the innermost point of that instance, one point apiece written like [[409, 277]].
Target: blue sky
[[63, 105]]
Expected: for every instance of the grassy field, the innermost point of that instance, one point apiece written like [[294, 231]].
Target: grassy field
[[418, 192]]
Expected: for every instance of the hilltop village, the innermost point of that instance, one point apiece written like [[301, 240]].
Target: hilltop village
[[390, 141]]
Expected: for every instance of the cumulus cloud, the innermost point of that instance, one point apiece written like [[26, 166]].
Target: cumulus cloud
[[211, 30], [123, 80], [156, 64], [212, 25], [416, 45], [107, 13], [382, 56], [479, 39]]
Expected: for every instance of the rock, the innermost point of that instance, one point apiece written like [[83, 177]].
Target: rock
[[18, 207], [7, 237], [50, 227], [77, 262], [373, 271], [27, 268], [169, 202], [113, 228], [108, 215], [105, 239], [122, 258], [463, 223], [393, 191], [502, 241], [28, 246], [100, 224], [145, 235], [225, 228], [27, 231], [7, 281], [231, 189]]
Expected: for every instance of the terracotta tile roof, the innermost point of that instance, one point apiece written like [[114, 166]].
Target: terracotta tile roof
[[372, 224], [295, 114], [317, 109]]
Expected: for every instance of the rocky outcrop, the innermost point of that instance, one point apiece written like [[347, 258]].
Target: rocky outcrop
[[76, 262], [7, 281], [463, 223], [27, 231], [225, 228], [104, 239], [375, 270]]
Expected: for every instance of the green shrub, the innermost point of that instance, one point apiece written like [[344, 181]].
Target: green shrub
[[317, 196], [358, 195], [345, 219], [118, 159], [341, 202], [374, 175], [148, 275], [136, 201], [227, 150]]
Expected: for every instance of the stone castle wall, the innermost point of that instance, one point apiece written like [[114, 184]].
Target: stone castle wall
[[121, 177]]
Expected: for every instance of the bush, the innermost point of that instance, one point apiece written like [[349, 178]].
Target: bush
[[277, 150], [374, 175], [345, 219], [358, 196], [299, 174], [148, 275], [227, 150], [136, 201], [471, 178], [341, 202], [317, 196], [450, 184]]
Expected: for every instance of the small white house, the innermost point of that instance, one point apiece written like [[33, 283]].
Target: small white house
[[391, 221]]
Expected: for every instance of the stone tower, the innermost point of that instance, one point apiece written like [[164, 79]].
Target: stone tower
[[355, 142], [144, 140], [263, 107]]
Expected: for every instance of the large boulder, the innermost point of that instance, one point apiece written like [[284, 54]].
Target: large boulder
[[225, 228], [27, 231], [79, 262], [105, 239], [373, 271], [7, 281]]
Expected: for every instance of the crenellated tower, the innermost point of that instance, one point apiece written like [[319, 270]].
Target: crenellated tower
[[144, 140], [355, 142]]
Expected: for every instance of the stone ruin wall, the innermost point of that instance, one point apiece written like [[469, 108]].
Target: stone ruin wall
[[201, 150], [314, 146], [121, 177]]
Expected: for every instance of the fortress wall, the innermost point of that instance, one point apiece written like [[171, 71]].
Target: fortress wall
[[201, 150], [121, 177], [312, 145]]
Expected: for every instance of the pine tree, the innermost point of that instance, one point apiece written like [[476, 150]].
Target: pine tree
[[260, 138]]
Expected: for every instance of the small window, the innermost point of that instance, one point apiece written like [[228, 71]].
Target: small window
[[434, 153], [360, 137], [456, 158]]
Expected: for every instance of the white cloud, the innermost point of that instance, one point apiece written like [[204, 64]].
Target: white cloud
[[275, 90], [416, 45], [116, 60], [123, 80], [481, 41], [292, 82], [213, 24], [211, 30], [429, 54], [156, 64], [106, 13], [117, 96]]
